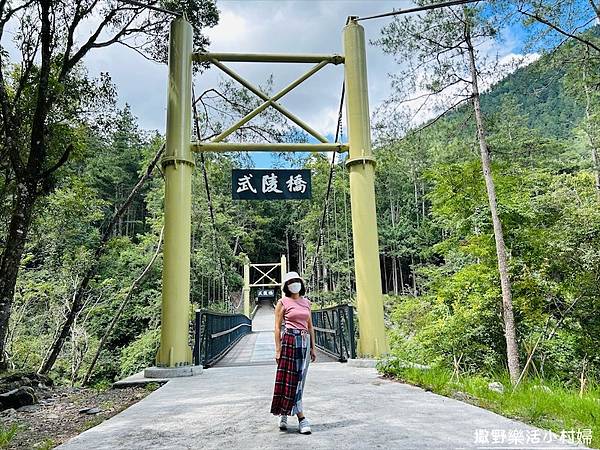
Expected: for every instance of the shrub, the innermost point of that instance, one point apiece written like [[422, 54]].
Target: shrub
[[140, 353]]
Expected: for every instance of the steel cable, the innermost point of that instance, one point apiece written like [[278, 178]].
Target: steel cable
[[329, 183]]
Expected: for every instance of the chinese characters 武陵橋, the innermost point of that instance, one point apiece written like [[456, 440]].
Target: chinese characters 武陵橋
[[271, 184]]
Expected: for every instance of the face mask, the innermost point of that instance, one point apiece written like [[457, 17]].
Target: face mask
[[295, 287]]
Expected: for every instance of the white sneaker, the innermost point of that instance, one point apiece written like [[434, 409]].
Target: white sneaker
[[282, 422], [304, 426]]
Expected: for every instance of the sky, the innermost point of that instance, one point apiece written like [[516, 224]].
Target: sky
[[305, 26], [263, 26]]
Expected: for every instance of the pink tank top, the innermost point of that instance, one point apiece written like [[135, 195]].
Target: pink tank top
[[296, 312]]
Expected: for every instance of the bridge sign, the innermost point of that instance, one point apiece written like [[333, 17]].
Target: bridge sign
[[270, 184]]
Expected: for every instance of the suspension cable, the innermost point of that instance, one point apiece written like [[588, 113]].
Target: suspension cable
[[203, 162], [208, 195], [347, 233], [329, 182], [418, 9]]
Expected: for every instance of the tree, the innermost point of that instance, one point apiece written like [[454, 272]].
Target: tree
[[554, 22], [36, 92], [583, 82], [512, 351], [90, 271], [444, 65]]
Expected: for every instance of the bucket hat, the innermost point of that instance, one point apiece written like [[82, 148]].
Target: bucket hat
[[291, 276]]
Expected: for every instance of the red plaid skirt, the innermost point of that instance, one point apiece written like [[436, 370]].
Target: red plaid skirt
[[287, 378]]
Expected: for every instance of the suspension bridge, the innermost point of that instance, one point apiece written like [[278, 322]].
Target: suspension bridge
[[226, 403], [178, 163]]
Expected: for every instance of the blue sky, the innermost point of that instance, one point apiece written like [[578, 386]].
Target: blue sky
[[264, 160]]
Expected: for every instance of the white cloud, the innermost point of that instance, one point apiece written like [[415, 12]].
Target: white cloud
[[422, 108], [262, 27]]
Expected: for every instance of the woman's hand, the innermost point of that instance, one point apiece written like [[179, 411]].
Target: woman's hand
[[277, 355], [313, 355]]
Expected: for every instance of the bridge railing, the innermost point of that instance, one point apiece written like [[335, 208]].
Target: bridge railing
[[216, 333], [335, 331]]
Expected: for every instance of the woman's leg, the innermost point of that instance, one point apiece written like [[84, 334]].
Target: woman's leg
[[303, 370]]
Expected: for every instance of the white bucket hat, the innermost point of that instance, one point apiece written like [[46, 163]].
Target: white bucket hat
[[291, 276]]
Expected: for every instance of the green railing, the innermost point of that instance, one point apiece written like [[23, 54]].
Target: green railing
[[335, 331], [216, 333]]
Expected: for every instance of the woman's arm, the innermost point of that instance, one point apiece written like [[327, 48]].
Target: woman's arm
[[278, 320], [311, 330]]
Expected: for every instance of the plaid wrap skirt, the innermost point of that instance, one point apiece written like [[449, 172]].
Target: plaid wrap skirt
[[291, 372]]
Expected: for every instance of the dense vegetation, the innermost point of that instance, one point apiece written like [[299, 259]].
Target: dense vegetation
[[542, 147]]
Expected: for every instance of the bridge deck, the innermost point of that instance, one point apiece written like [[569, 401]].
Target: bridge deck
[[258, 348]]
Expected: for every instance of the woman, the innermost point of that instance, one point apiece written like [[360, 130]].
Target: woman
[[292, 351]]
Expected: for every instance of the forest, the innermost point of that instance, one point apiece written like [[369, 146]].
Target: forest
[[481, 274]]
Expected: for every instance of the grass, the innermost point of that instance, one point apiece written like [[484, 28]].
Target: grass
[[47, 444], [151, 387], [102, 385], [541, 403], [91, 423], [7, 434]]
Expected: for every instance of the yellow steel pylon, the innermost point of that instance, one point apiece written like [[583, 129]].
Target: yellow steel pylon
[[178, 164], [361, 166]]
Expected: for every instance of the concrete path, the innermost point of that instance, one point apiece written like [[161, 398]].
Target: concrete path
[[349, 408]]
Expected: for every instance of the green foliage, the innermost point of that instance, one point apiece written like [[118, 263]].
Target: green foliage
[[102, 385], [151, 387], [459, 313], [140, 354], [461, 320], [541, 98], [435, 234], [8, 433], [435, 225], [46, 444]]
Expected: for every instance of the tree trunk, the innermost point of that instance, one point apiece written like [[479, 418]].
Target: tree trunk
[[29, 176], [287, 246], [423, 201], [591, 132], [401, 275], [416, 190], [596, 161], [512, 352], [414, 275], [385, 276], [394, 275], [393, 218], [11, 258], [300, 258]]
